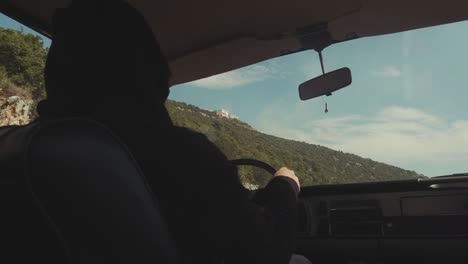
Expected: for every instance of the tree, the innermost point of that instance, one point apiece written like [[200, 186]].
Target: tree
[[22, 58]]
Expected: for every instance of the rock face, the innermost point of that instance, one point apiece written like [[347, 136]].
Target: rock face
[[15, 110]]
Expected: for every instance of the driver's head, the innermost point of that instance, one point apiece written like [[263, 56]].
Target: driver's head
[[103, 51]]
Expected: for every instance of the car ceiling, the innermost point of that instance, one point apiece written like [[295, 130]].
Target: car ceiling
[[207, 37]]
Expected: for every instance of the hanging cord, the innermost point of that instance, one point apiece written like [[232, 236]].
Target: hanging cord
[[326, 105]]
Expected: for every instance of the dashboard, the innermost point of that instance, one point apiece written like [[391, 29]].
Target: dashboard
[[410, 219]]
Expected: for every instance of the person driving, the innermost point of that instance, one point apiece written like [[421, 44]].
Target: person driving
[[104, 63]]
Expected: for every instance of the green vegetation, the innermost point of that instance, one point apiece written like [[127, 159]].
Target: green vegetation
[[22, 61], [313, 164]]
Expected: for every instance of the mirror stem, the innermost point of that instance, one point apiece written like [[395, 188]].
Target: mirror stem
[[321, 62]]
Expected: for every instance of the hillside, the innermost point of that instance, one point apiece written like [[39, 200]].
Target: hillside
[[313, 164]]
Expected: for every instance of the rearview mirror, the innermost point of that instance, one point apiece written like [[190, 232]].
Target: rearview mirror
[[325, 84]]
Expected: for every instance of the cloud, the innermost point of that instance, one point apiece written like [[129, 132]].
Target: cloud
[[402, 136], [397, 113], [241, 77], [390, 71]]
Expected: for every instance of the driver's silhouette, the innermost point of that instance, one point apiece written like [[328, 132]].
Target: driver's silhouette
[[105, 64]]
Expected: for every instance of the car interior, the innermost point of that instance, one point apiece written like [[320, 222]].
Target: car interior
[[404, 221]]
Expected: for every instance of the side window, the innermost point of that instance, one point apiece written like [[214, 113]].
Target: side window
[[22, 59]]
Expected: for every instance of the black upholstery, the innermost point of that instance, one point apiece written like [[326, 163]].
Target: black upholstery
[[71, 192]]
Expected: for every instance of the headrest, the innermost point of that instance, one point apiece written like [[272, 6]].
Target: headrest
[[103, 50]]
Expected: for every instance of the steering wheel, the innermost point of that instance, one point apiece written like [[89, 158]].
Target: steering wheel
[[255, 163]]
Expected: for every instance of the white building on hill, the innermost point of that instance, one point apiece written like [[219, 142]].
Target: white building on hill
[[225, 114]]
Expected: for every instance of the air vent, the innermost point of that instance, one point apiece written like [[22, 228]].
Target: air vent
[[302, 226], [355, 218]]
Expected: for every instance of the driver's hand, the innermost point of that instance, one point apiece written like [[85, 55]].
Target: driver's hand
[[285, 172]]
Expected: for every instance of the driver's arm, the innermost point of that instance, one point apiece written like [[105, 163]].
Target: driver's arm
[[265, 226], [250, 231]]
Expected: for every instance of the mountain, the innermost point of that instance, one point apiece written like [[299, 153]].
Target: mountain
[[313, 164]]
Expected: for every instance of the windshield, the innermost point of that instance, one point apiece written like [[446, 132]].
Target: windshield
[[403, 116]]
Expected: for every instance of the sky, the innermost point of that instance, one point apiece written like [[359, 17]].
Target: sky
[[406, 106]]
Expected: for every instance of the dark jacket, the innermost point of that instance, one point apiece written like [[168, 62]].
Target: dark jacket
[[207, 208]]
